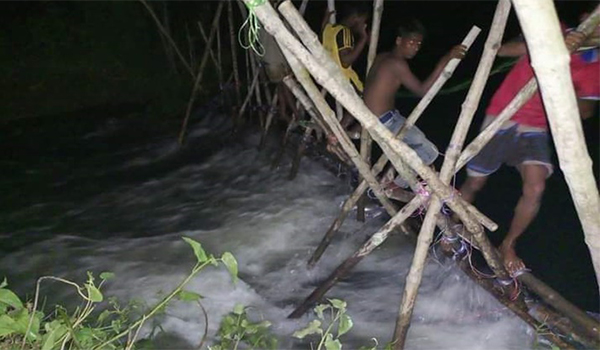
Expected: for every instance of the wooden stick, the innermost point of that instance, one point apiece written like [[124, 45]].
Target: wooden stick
[[164, 32], [343, 269], [365, 139], [234, 61], [550, 61], [381, 162], [329, 117], [215, 25], [303, 7], [331, 8], [213, 58], [251, 87], [469, 107], [270, 114]]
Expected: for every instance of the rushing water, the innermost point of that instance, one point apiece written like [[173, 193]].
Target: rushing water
[[116, 195]]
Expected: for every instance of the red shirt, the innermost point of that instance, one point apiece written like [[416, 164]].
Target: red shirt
[[586, 81]]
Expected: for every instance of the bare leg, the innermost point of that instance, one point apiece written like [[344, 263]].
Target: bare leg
[[472, 185], [534, 183]]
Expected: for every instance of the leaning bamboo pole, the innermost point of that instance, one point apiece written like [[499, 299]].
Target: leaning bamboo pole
[[365, 139], [381, 162], [213, 58], [269, 120], [214, 26], [414, 276], [164, 32], [234, 61], [329, 117], [550, 61]]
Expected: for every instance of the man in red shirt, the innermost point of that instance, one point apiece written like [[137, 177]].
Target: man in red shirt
[[524, 141]]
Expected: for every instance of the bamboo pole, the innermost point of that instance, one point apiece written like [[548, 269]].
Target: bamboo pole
[[270, 114], [329, 118], [213, 58], [303, 7], [365, 140], [331, 9], [214, 26], [164, 32], [220, 62], [550, 61], [251, 88], [166, 44], [234, 62], [414, 276], [381, 162]]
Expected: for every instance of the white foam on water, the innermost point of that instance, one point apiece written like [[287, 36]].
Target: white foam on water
[[234, 202]]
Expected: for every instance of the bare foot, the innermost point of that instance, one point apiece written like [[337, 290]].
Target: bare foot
[[512, 263]]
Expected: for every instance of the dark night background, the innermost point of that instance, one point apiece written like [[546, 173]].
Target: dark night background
[[61, 62]]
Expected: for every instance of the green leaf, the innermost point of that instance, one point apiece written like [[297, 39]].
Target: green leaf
[[231, 265], [53, 336], [187, 295], [8, 326], [239, 309], [4, 283], [94, 293], [345, 325], [9, 298], [332, 344], [314, 327], [198, 251], [107, 276], [338, 304], [319, 309]]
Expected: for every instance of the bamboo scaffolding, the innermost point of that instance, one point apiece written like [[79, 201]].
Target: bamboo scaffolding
[[469, 107], [164, 32], [329, 118], [214, 26], [257, 90], [381, 162], [251, 87], [396, 150], [270, 114], [550, 61]]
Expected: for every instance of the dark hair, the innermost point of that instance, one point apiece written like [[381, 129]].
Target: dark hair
[[354, 8], [411, 26]]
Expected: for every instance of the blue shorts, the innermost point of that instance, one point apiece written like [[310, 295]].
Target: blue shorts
[[414, 137], [512, 147]]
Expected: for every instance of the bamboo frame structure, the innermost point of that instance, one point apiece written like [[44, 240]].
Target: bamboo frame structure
[[379, 165], [313, 62], [550, 61], [414, 276]]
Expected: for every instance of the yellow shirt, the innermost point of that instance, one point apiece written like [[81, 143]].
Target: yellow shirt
[[337, 37]]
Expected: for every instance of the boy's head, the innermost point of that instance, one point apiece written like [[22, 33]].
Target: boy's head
[[409, 38], [354, 15]]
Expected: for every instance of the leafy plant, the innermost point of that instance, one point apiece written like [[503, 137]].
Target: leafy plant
[[236, 328], [23, 327], [333, 313]]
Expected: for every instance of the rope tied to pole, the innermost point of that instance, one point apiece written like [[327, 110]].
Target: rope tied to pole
[[253, 29]]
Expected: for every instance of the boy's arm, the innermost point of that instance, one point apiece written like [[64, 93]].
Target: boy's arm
[[413, 84], [349, 53]]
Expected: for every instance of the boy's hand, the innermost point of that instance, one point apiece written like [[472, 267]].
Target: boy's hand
[[458, 51]]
